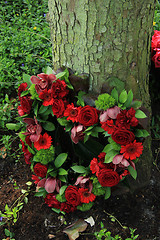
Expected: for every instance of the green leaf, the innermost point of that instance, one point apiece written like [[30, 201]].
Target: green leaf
[[132, 171], [62, 121], [136, 104], [24, 93], [123, 96], [48, 126], [60, 159], [138, 133], [79, 169], [80, 98], [27, 79], [42, 109], [85, 206], [60, 75], [30, 150], [36, 109], [116, 82], [114, 94], [62, 178], [60, 198], [62, 171], [57, 211], [110, 155], [108, 192], [62, 189], [13, 126], [140, 114], [107, 148], [22, 136], [145, 133], [129, 99], [7, 232], [48, 70]]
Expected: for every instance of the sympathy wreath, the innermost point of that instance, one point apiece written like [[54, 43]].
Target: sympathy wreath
[[77, 151]]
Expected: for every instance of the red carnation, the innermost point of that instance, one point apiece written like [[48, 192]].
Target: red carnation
[[47, 96], [22, 88], [108, 126], [88, 116], [36, 179], [132, 150], [123, 136], [44, 142], [94, 166], [86, 196], [125, 119], [72, 112], [26, 104], [58, 107], [51, 201], [155, 43], [40, 170], [108, 178], [72, 195], [66, 207], [59, 89]]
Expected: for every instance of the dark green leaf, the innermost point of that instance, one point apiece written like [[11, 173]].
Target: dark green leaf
[[60, 159], [108, 192], [136, 104], [48, 126], [85, 206], [62, 189], [27, 79], [110, 155], [42, 109], [114, 94], [62, 171], [62, 178], [132, 171], [79, 169], [129, 99]]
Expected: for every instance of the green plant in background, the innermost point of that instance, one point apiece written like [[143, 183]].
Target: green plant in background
[[11, 214], [156, 22], [106, 235], [24, 41]]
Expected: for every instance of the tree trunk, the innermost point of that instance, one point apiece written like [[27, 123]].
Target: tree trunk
[[107, 39]]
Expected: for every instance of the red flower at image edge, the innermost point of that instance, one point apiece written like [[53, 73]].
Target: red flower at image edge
[[40, 170], [88, 116], [132, 150], [108, 178], [86, 196], [72, 112], [72, 195], [51, 201], [44, 142], [156, 59]]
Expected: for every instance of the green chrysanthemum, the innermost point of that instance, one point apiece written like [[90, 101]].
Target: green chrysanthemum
[[104, 101], [44, 156], [98, 190]]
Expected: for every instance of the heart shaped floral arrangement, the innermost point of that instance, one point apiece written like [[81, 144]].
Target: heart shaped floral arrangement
[[77, 148]]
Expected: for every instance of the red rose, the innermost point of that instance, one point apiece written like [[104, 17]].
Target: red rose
[[108, 178], [123, 136], [40, 170], [156, 59], [51, 201], [26, 104], [72, 195], [58, 107], [66, 207], [88, 116], [59, 89]]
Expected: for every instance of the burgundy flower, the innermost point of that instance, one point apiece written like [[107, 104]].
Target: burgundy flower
[[67, 207], [52, 184], [43, 81], [33, 129], [59, 89], [77, 133], [84, 182], [126, 119], [40, 170]]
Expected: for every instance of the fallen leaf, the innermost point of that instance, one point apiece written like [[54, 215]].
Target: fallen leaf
[[50, 236], [3, 153], [73, 230], [90, 220]]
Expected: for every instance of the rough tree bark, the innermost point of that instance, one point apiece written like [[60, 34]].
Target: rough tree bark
[[107, 39]]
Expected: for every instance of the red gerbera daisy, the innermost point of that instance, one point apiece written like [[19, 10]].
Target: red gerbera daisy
[[132, 150], [47, 96], [86, 196], [72, 112], [44, 142], [108, 126]]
